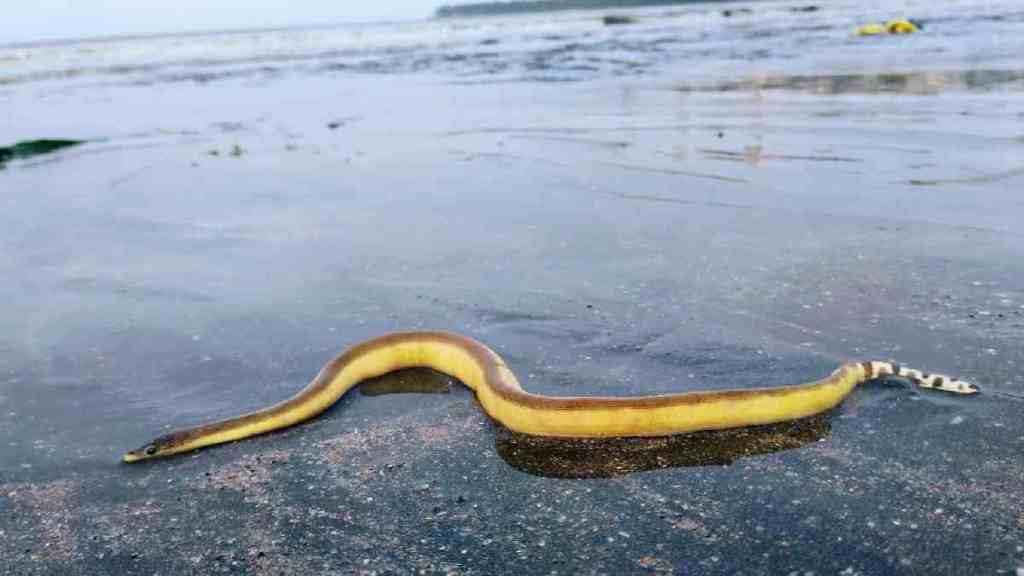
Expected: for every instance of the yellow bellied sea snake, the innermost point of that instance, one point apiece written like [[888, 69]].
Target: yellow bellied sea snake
[[498, 391]]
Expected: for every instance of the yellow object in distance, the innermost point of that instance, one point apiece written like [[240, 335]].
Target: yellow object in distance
[[898, 26], [872, 29], [901, 26]]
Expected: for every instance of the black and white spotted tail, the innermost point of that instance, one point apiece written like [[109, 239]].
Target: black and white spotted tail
[[923, 379]]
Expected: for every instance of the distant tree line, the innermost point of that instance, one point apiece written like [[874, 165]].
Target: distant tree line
[[515, 7]]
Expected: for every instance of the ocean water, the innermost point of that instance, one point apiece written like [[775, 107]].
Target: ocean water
[[715, 45]]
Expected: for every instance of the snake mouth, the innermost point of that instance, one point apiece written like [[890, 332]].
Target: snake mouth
[[130, 457]]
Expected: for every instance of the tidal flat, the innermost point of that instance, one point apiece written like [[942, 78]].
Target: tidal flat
[[673, 224]]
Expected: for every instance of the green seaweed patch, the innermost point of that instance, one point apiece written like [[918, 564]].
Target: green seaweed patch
[[30, 148]]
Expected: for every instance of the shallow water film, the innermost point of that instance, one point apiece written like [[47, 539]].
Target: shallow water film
[[693, 197]]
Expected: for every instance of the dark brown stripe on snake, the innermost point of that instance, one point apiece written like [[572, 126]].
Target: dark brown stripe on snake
[[592, 402], [868, 370]]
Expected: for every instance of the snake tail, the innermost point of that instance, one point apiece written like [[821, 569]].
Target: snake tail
[[923, 379]]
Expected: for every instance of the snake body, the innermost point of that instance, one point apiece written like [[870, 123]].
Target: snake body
[[501, 396]]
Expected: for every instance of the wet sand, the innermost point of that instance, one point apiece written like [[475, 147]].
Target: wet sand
[[626, 237]]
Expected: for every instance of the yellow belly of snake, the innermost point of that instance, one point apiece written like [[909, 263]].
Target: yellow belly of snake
[[501, 396]]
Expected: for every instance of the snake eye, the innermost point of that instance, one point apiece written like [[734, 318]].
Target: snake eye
[[150, 450]]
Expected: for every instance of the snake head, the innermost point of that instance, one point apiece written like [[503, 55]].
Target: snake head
[[143, 453], [162, 446]]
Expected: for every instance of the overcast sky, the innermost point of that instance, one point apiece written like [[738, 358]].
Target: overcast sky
[[27, 20]]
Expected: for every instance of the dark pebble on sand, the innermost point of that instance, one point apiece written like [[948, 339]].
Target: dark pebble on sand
[[613, 20]]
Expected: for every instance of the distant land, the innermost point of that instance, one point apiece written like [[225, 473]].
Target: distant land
[[521, 6]]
